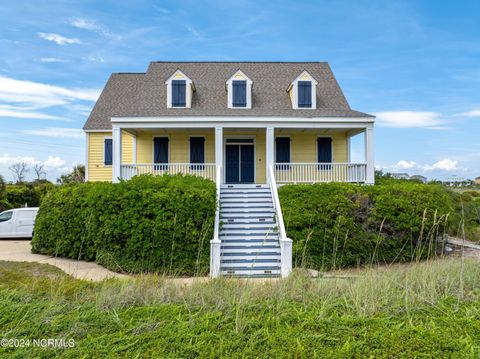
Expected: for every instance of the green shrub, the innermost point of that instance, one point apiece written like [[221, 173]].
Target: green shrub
[[156, 224], [339, 225], [31, 193]]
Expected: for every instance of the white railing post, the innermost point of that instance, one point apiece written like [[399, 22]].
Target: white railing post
[[285, 243], [117, 154], [215, 242], [369, 156]]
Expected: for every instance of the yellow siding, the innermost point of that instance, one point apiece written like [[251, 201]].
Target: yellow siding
[[97, 171], [178, 145], [304, 145]]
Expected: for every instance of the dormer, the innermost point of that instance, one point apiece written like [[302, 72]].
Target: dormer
[[179, 90], [303, 92], [239, 90]]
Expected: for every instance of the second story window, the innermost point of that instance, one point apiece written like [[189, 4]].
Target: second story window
[[304, 94], [179, 88], [239, 93]]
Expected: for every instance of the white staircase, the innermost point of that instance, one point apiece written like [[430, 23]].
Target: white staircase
[[248, 232]]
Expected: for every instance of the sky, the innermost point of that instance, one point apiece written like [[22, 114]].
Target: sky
[[414, 64]]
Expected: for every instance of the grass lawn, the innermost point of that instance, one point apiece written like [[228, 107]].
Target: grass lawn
[[429, 309]]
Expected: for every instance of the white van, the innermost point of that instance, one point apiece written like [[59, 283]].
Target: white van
[[17, 223]]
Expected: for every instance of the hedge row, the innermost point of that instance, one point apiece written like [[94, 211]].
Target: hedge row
[[156, 224], [339, 225]]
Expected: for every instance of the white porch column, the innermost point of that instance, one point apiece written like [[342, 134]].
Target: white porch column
[[134, 148], [369, 155], [219, 149], [117, 154], [270, 149]]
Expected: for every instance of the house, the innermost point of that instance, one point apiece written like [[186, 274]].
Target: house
[[401, 175], [418, 178], [477, 180], [248, 126], [456, 181]]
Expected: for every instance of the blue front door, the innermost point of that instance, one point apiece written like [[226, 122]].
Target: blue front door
[[239, 163]]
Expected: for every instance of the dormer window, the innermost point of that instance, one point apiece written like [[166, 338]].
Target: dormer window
[[179, 88], [179, 91], [239, 90], [303, 92]]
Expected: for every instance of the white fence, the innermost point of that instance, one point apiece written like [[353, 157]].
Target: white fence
[[320, 172], [205, 170]]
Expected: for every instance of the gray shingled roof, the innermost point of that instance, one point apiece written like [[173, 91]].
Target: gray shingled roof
[[144, 94]]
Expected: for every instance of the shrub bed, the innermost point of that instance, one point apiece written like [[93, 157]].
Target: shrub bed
[[156, 224], [339, 225]]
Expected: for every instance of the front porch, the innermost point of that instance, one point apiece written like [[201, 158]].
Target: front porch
[[296, 155]]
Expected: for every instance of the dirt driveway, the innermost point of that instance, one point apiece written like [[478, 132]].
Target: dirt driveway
[[19, 251]]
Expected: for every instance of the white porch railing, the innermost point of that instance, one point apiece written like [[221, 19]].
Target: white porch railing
[[215, 242], [320, 172], [205, 170], [285, 242]]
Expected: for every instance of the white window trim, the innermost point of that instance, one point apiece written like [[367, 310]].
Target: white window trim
[[107, 138], [294, 88], [189, 89], [229, 85]]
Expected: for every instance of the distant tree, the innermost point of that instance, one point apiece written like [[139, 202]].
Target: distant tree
[[76, 176], [19, 170], [3, 187], [39, 171]]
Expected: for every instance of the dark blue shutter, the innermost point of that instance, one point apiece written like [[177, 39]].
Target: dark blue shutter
[[239, 93], [304, 94], [197, 151], [160, 151], [324, 149], [178, 93], [282, 151], [108, 151]]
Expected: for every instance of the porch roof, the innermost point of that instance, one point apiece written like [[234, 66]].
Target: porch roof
[[144, 94]]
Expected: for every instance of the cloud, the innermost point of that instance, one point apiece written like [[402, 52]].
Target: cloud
[[24, 112], [42, 95], [90, 25], [57, 132], [193, 31], [51, 60], [58, 39], [446, 165], [93, 59], [410, 119], [54, 162], [472, 113]]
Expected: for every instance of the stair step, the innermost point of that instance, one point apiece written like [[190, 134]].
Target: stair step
[[249, 242], [246, 200], [246, 205], [249, 237], [249, 231], [247, 248], [244, 185], [245, 255], [259, 225], [247, 220], [250, 268], [249, 263], [247, 210], [244, 195], [250, 275]]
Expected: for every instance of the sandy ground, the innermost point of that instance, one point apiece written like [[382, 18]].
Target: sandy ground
[[19, 251]]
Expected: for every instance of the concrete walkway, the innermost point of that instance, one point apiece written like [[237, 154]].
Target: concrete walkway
[[20, 251]]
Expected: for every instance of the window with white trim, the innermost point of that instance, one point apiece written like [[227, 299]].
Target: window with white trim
[[303, 92], [180, 91], [239, 91]]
